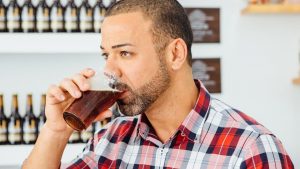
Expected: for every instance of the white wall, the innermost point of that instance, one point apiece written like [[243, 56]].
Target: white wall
[[259, 55]]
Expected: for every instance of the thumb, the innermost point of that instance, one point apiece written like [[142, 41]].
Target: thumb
[[103, 115]]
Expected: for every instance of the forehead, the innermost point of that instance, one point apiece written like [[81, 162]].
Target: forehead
[[124, 28]]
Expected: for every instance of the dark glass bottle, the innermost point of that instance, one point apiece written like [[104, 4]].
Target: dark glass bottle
[[3, 123], [98, 15], [14, 17], [87, 134], [42, 115], [15, 123], [57, 17], [71, 17], [75, 137], [30, 123], [3, 20], [43, 17], [28, 17], [86, 17]]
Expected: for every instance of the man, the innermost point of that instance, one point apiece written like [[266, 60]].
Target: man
[[171, 121]]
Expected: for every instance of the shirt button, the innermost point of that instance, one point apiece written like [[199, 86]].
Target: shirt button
[[182, 134]]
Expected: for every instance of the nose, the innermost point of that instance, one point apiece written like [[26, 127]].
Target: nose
[[111, 67]]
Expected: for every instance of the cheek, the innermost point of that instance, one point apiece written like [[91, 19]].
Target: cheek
[[139, 73]]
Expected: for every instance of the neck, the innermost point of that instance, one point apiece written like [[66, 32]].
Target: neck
[[169, 111]]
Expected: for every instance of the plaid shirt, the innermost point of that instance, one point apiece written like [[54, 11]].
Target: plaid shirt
[[213, 135]]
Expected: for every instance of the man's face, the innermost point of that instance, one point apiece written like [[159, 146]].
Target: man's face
[[130, 54]]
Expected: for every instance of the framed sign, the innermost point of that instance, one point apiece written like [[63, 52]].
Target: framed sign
[[205, 23], [208, 70]]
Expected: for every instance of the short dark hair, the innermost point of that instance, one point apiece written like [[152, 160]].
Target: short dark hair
[[168, 18]]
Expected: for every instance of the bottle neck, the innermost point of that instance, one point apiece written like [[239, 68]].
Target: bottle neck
[[15, 107]]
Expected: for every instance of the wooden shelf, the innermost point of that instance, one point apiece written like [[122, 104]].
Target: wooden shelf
[[272, 9], [296, 81]]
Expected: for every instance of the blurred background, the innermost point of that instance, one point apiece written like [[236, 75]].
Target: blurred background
[[257, 45]]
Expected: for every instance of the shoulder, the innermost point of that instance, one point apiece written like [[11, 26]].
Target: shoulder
[[258, 146], [266, 151], [226, 116]]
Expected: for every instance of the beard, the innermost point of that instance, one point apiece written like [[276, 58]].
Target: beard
[[139, 100]]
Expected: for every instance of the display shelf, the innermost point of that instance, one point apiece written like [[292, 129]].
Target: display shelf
[[296, 81], [272, 9], [49, 43], [14, 155]]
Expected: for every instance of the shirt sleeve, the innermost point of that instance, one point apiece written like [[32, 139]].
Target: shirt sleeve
[[266, 152]]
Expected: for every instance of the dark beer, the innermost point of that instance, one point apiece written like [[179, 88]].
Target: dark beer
[[83, 111]]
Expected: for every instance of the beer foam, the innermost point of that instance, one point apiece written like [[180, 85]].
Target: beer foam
[[101, 82]]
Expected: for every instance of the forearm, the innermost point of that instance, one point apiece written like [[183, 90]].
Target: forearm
[[48, 149]]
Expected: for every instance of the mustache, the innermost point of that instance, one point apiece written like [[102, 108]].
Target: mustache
[[120, 86]]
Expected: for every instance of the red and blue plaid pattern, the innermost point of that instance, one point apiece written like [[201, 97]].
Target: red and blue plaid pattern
[[213, 135]]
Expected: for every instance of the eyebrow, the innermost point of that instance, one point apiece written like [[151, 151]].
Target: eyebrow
[[119, 45]]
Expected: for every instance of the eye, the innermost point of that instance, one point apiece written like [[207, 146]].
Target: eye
[[105, 56], [125, 54]]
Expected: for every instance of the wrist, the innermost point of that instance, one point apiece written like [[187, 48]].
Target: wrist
[[55, 132]]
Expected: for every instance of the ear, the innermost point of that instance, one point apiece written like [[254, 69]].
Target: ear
[[177, 53]]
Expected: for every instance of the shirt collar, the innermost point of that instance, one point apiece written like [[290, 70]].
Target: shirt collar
[[192, 125]]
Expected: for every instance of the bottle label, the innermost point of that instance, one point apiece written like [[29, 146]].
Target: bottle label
[[57, 19], [87, 134], [29, 131], [86, 19], [42, 19], [13, 18], [41, 124], [27, 18], [2, 24], [14, 131], [3, 131], [75, 136], [71, 19]]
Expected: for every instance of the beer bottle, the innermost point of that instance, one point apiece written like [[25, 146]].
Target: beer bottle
[[75, 137], [28, 17], [14, 17], [57, 17], [86, 17], [71, 17], [43, 17], [42, 116], [30, 123], [3, 123], [98, 15], [15, 123], [87, 134], [3, 25], [105, 121]]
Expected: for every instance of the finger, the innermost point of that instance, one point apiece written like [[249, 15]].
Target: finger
[[71, 87], [88, 72], [81, 82], [103, 115], [55, 93]]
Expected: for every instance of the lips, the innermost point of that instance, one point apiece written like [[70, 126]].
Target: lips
[[124, 94]]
